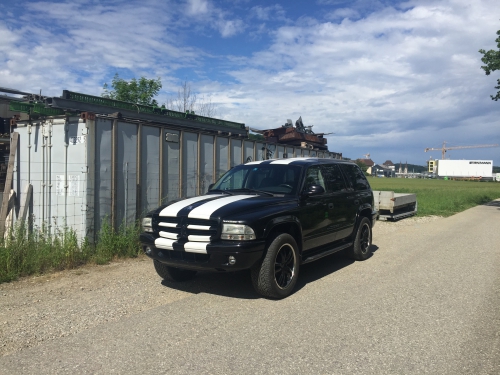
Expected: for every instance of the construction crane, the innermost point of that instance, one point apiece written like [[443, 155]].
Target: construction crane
[[444, 148]]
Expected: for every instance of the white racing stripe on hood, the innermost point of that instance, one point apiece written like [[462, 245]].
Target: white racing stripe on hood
[[206, 210], [174, 208]]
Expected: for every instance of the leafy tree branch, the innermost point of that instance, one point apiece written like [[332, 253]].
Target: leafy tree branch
[[492, 60]]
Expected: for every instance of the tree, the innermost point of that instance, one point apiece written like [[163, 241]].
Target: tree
[[492, 60], [186, 100], [140, 91], [362, 165]]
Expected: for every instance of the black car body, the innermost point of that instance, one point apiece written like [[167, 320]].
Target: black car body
[[315, 205]]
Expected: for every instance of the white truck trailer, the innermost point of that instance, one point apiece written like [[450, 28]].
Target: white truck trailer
[[465, 168]]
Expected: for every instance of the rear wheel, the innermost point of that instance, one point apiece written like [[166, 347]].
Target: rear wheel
[[277, 274], [172, 273], [361, 249]]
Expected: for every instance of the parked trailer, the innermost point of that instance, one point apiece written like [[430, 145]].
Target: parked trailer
[[394, 206]]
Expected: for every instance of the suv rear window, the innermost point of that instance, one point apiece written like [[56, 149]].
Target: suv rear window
[[355, 176]]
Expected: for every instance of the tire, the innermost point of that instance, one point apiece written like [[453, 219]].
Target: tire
[[173, 274], [361, 248], [276, 275]]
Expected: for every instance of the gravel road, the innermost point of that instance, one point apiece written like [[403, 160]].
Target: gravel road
[[418, 305]]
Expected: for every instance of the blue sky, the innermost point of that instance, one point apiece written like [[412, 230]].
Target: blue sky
[[388, 78]]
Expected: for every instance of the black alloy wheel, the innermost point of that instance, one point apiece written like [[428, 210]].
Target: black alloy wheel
[[276, 274], [284, 266], [362, 246]]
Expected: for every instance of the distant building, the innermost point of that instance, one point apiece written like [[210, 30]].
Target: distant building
[[389, 164], [381, 171]]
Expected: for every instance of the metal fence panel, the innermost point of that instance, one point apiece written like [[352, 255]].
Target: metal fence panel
[[171, 159], [126, 173], [236, 152], [221, 158], [150, 169], [206, 162], [189, 164], [103, 168], [261, 151], [69, 175], [249, 151]]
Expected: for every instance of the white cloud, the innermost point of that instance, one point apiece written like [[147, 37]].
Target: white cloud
[[341, 13], [392, 78], [273, 12], [198, 7], [230, 28]]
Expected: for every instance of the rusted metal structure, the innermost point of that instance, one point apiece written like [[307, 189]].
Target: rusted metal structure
[[298, 135]]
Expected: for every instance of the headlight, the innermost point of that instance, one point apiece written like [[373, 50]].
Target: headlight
[[237, 232], [147, 224]]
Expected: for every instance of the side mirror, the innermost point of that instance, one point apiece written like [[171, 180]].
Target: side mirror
[[210, 187], [313, 190]]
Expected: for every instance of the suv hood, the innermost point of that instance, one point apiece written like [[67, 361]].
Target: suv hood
[[214, 206]]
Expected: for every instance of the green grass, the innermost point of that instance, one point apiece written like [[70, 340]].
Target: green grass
[[24, 254], [440, 197]]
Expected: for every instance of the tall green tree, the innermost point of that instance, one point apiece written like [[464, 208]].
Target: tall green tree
[[141, 91], [492, 60]]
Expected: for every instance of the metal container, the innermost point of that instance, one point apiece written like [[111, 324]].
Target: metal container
[[85, 171]]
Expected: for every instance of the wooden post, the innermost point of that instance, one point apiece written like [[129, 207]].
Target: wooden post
[[23, 212], [8, 182]]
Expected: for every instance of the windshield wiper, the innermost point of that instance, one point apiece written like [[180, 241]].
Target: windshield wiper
[[220, 191], [256, 191]]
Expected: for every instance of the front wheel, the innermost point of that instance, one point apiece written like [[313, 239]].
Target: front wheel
[[277, 274], [362, 247], [171, 273]]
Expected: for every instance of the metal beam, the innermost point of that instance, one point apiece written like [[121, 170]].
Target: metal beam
[[73, 105]]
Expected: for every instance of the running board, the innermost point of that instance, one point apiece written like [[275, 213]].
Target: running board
[[325, 253]]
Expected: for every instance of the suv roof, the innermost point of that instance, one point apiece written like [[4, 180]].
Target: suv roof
[[304, 161]]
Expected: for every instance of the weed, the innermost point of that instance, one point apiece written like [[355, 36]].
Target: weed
[[24, 252]]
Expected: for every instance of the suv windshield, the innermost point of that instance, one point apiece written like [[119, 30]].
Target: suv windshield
[[272, 178]]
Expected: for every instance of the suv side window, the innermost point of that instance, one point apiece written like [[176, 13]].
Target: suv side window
[[355, 176], [315, 177], [333, 178]]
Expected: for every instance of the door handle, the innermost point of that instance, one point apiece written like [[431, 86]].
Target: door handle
[[330, 206]]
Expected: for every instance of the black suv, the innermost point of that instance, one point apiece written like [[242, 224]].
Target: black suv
[[268, 216]]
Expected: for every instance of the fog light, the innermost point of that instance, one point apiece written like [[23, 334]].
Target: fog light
[[148, 250], [231, 260]]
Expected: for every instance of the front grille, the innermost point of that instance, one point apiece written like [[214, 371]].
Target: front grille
[[184, 228]]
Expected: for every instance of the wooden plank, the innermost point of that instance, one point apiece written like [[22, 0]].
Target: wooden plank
[[10, 216], [8, 182], [23, 212]]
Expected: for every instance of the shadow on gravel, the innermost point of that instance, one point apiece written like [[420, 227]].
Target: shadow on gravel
[[239, 285]]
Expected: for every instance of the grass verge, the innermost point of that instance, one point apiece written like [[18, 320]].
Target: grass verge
[[24, 254]]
